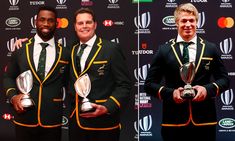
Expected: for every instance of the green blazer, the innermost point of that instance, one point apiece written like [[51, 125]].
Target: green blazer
[[164, 76], [110, 84], [47, 94]]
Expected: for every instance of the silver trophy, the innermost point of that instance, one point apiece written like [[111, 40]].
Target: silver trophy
[[187, 73], [24, 83], [83, 88]]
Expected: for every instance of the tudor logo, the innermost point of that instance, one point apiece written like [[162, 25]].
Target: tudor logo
[[108, 23], [13, 22]]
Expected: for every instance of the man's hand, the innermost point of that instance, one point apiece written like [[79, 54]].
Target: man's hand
[[99, 110], [176, 95], [15, 100], [201, 93], [18, 43]]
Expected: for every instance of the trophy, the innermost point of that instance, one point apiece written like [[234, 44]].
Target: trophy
[[24, 83], [83, 88], [187, 73]]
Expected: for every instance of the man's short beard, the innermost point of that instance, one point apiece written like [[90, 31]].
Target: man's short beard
[[46, 36]]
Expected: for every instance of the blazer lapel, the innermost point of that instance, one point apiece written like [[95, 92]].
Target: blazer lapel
[[57, 59], [176, 50], [29, 55], [200, 52], [93, 54]]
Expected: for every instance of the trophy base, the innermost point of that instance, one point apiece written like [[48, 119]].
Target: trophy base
[[27, 102], [86, 108], [188, 93]]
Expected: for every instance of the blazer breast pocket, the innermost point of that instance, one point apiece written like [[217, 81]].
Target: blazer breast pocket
[[206, 63], [100, 67], [63, 65]]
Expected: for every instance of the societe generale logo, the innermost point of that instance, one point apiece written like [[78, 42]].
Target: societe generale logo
[[107, 22], [225, 22]]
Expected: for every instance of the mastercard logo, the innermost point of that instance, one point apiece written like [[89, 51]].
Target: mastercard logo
[[225, 22], [62, 23]]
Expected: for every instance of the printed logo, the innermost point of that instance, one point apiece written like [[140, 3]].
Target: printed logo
[[226, 4], [198, 1], [171, 4], [13, 4], [62, 23], [142, 22], [225, 22], [227, 99], [226, 46], [107, 22], [61, 4], [13, 22], [86, 3], [113, 4], [141, 1], [37, 2], [143, 51], [142, 101], [201, 22], [7, 116], [145, 125], [116, 40], [169, 21], [227, 123], [61, 1], [141, 74], [10, 46]]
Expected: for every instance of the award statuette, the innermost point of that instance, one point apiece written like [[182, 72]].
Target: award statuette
[[83, 87], [24, 83], [187, 73]]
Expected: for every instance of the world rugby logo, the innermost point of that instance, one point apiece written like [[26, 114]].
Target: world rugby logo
[[14, 2], [113, 1], [61, 1], [227, 97], [142, 21], [141, 73], [226, 46], [145, 124], [201, 20]]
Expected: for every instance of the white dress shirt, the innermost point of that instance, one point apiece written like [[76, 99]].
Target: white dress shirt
[[192, 47], [50, 56], [87, 51]]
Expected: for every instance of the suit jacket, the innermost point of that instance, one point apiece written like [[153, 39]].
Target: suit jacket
[[47, 94], [110, 84], [164, 76]]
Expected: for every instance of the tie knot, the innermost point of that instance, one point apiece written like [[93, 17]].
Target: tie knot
[[44, 45], [186, 44], [83, 46]]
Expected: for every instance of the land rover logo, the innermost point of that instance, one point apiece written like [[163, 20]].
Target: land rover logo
[[169, 21], [227, 123], [13, 22]]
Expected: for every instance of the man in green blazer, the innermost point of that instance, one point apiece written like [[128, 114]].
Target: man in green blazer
[[43, 121], [106, 67], [182, 117]]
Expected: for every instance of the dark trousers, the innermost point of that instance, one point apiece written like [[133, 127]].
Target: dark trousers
[[189, 133], [37, 133], [78, 134]]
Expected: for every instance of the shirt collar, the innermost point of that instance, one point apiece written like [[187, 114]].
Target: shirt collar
[[39, 40], [180, 39], [90, 42]]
